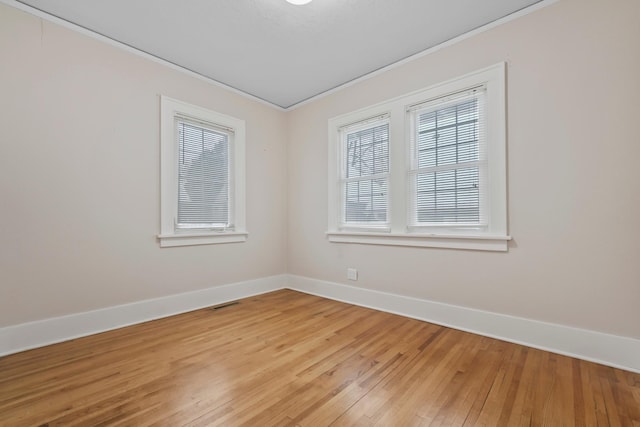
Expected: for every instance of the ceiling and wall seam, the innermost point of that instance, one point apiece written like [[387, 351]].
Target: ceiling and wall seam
[[131, 49], [101, 37], [515, 15]]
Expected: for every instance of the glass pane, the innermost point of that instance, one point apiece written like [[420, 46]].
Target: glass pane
[[451, 196], [449, 135], [367, 151], [366, 201], [203, 174]]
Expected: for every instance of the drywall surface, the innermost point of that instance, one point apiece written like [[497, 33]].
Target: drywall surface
[[80, 177], [573, 175]]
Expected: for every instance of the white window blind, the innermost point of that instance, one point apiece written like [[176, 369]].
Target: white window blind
[[203, 175], [447, 179], [365, 173]]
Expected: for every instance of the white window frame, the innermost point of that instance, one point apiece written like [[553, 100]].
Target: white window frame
[[493, 236], [170, 235], [343, 132]]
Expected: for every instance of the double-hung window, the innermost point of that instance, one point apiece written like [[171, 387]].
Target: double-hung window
[[425, 169], [448, 166], [364, 181], [202, 176]]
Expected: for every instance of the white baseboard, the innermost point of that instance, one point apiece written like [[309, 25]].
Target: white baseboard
[[611, 350], [30, 335]]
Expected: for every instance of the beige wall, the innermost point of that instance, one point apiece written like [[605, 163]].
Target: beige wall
[[573, 175], [79, 177]]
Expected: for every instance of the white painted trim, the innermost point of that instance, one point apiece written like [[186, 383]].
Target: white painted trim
[[193, 239], [523, 12], [611, 350], [450, 241], [100, 37], [401, 192], [30, 335], [170, 109]]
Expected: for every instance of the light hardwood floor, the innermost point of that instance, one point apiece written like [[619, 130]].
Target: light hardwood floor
[[287, 358]]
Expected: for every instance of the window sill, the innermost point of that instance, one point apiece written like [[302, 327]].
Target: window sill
[[450, 241], [201, 238]]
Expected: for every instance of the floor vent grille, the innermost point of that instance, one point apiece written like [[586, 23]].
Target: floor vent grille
[[225, 305]]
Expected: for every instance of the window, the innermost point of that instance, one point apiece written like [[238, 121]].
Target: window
[[202, 176], [447, 166], [365, 173], [424, 169]]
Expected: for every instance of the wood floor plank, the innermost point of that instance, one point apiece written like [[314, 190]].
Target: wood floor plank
[[291, 359]]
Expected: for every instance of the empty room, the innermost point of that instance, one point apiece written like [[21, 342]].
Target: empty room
[[319, 213]]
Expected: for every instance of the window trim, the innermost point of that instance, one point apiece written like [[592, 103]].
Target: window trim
[[170, 110], [495, 237]]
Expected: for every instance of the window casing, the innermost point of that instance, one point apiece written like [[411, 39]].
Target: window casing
[[202, 176], [446, 176]]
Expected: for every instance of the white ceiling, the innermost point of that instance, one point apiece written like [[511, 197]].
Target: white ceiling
[[276, 51]]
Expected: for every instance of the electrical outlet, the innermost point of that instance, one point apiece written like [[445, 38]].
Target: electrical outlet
[[352, 274]]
